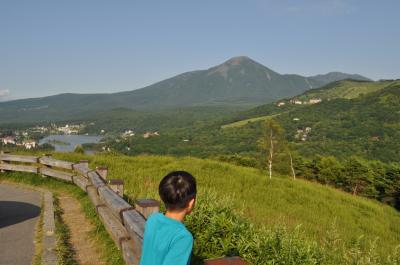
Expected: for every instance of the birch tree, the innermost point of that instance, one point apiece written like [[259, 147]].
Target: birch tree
[[271, 143], [291, 164]]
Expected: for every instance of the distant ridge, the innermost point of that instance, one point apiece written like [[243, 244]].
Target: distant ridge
[[238, 81]]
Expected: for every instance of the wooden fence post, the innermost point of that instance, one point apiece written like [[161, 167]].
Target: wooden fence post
[[117, 185], [84, 162], [48, 166], [102, 171], [147, 206], [2, 161]]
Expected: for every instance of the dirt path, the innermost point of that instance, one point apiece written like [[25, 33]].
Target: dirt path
[[86, 251]]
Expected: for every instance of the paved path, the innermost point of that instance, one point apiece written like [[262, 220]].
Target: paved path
[[19, 213]]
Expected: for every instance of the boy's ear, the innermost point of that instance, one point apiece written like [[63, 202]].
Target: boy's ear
[[191, 204]]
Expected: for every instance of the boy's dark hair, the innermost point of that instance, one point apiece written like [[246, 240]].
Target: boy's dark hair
[[176, 190]]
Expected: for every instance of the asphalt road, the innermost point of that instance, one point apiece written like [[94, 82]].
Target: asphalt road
[[19, 213]]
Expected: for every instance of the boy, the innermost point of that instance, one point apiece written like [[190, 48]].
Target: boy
[[166, 240]]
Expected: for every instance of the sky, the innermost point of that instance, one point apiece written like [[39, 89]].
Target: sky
[[49, 47]]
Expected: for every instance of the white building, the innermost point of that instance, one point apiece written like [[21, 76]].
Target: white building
[[128, 133], [8, 140], [315, 101], [29, 144]]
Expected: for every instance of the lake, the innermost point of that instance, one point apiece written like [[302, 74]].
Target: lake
[[67, 143]]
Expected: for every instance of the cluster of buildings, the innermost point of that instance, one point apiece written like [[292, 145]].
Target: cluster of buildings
[[52, 129], [296, 101], [129, 133], [302, 134], [12, 140], [69, 129], [150, 134]]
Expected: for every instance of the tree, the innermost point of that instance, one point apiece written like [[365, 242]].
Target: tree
[[358, 175], [79, 149], [271, 143], [329, 170]]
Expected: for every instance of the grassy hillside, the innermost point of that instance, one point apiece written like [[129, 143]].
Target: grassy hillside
[[242, 123], [280, 201], [347, 89], [344, 89]]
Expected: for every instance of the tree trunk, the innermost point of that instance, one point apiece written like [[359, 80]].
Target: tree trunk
[[271, 155], [291, 166], [270, 169], [355, 189]]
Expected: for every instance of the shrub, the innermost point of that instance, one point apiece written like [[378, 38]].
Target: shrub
[[219, 232], [79, 149]]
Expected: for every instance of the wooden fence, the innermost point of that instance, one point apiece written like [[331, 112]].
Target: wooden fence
[[124, 222]]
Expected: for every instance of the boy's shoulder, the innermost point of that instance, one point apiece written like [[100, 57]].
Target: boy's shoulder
[[160, 219]]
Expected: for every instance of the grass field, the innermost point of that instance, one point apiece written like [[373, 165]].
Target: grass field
[[280, 201], [347, 89], [247, 121]]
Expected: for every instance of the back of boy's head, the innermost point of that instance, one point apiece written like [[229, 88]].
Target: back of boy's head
[[177, 189]]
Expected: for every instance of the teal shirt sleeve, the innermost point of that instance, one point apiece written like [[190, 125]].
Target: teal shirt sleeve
[[180, 251]]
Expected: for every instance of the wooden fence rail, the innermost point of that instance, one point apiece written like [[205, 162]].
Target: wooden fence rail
[[124, 222]]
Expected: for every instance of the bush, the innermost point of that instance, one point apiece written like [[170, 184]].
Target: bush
[[219, 232], [79, 149], [238, 160]]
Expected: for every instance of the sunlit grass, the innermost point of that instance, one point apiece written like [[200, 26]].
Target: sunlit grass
[[280, 201]]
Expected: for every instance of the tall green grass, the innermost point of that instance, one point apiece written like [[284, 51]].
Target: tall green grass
[[281, 201]]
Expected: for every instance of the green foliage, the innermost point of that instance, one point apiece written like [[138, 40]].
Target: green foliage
[[372, 179], [277, 202], [79, 149], [238, 160], [220, 232]]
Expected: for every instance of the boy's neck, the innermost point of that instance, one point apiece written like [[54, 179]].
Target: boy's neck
[[179, 216]]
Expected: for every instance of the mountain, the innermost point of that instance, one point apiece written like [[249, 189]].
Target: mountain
[[238, 81], [335, 76]]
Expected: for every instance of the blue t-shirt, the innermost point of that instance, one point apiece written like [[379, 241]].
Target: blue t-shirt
[[166, 242]]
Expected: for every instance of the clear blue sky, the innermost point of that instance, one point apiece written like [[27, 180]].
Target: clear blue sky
[[51, 47]]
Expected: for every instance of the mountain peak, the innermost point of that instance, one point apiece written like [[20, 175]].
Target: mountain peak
[[244, 63], [238, 60]]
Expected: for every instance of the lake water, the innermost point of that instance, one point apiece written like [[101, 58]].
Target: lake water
[[67, 143]]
